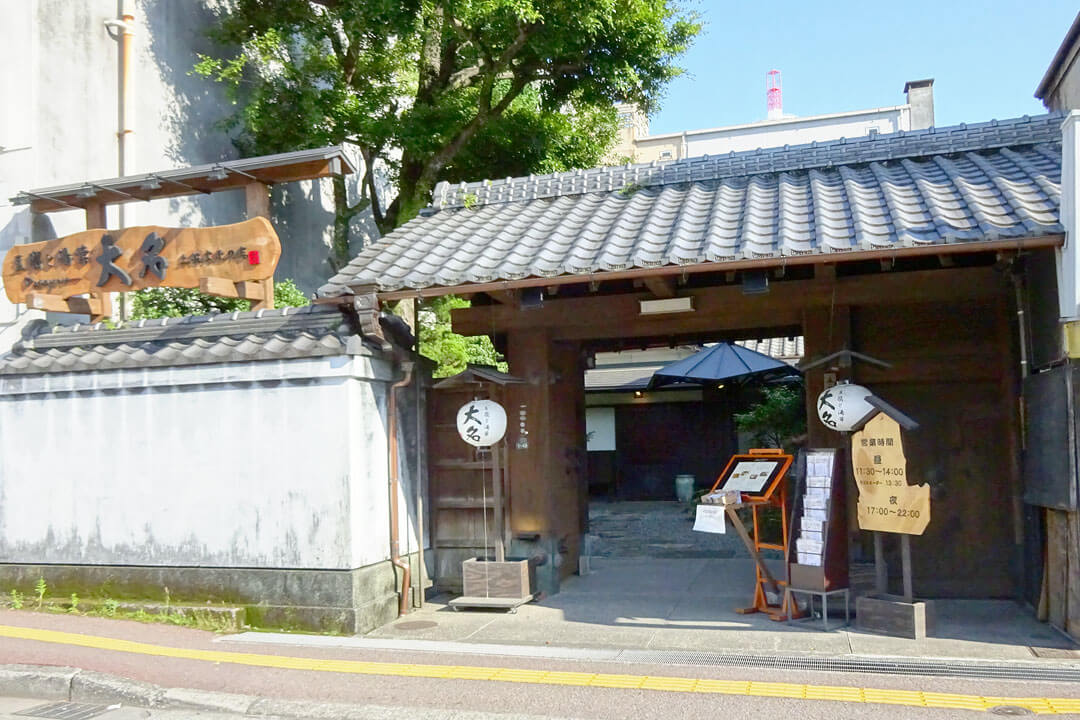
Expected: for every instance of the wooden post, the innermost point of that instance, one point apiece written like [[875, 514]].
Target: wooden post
[[257, 202], [95, 218], [905, 564], [881, 571], [496, 487]]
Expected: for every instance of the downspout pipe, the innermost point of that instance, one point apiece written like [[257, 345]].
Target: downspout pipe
[[395, 490]]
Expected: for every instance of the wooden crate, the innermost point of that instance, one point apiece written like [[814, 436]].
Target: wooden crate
[[488, 578]]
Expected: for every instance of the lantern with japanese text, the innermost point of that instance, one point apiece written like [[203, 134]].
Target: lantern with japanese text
[[481, 422], [844, 406]]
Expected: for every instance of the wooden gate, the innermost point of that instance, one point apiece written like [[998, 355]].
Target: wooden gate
[[464, 512]]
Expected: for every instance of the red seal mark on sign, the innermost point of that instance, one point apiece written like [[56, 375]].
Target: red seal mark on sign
[[253, 257]]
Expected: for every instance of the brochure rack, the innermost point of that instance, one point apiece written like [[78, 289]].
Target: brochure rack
[[818, 557]]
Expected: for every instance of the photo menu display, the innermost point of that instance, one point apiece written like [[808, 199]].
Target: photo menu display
[[751, 476]]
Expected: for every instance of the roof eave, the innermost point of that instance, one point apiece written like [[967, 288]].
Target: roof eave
[[1068, 48], [269, 169], [1013, 244]]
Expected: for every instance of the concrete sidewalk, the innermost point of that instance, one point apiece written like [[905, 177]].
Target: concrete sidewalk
[[688, 605]]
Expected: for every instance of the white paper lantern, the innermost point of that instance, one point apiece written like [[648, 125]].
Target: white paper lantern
[[481, 422], [843, 406]]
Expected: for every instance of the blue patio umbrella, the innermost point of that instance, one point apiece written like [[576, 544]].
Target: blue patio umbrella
[[721, 362]]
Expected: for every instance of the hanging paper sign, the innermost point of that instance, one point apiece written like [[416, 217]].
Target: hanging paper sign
[[710, 519], [481, 422], [843, 406], [886, 502]]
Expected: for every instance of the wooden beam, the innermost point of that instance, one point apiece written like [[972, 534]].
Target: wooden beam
[[825, 273], [253, 290], [727, 308], [95, 215], [223, 287], [257, 202], [506, 297], [662, 286], [55, 303]]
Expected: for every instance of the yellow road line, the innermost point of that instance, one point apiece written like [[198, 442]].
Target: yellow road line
[[910, 698]]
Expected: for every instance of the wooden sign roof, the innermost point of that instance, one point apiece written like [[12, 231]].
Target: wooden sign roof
[[197, 179]]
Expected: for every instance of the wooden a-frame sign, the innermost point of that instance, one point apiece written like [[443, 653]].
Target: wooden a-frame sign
[[229, 260]]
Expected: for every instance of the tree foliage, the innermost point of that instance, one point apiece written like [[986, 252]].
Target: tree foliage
[[166, 302], [778, 417], [451, 351], [443, 89], [431, 90]]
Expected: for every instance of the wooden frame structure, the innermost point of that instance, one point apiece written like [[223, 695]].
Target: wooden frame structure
[[252, 175]]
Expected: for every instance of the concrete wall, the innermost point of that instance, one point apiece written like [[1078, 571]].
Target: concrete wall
[[277, 466], [59, 121]]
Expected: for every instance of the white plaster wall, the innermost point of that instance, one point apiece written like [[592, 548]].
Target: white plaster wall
[[280, 464]]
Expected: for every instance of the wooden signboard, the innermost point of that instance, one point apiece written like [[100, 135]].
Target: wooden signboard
[[230, 260], [886, 502]]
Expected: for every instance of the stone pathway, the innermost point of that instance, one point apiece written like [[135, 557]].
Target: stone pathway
[[654, 529]]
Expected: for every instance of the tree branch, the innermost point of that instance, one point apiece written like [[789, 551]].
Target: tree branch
[[485, 113]]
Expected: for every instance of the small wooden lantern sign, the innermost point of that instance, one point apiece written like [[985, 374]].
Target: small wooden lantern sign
[[230, 260]]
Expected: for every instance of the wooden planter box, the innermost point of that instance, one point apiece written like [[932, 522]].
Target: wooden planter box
[[891, 615], [487, 578]]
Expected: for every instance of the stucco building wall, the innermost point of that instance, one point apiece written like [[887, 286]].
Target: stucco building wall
[[236, 471]]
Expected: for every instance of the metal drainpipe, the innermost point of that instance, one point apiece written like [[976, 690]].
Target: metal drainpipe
[[125, 111], [395, 542]]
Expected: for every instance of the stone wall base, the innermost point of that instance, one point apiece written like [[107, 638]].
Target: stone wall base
[[336, 601]]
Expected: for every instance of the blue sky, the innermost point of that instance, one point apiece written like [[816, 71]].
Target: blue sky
[[986, 58]]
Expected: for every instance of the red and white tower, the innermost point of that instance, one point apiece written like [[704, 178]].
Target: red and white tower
[[774, 99]]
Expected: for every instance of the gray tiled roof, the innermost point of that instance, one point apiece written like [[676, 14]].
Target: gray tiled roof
[[788, 349], [636, 376], [234, 337], [989, 181]]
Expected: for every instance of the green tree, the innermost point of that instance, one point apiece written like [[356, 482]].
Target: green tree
[[442, 89], [452, 351], [165, 302], [778, 417]]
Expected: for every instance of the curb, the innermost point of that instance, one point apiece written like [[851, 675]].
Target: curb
[[87, 686]]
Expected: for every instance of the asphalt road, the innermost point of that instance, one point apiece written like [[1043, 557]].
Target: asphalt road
[[556, 701]]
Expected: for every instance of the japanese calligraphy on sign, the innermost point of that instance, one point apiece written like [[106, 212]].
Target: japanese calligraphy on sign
[[140, 257], [481, 422], [886, 501]]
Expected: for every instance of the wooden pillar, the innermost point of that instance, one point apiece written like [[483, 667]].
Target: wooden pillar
[[95, 218], [257, 201], [827, 330], [544, 497], [527, 446]]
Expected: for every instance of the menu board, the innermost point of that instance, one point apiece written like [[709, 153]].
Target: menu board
[[751, 476]]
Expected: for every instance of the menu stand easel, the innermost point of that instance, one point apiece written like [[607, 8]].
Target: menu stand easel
[[756, 480]]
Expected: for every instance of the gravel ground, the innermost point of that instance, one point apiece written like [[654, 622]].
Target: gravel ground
[[655, 529]]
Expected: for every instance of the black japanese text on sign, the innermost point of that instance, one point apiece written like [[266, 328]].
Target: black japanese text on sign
[[134, 258]]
